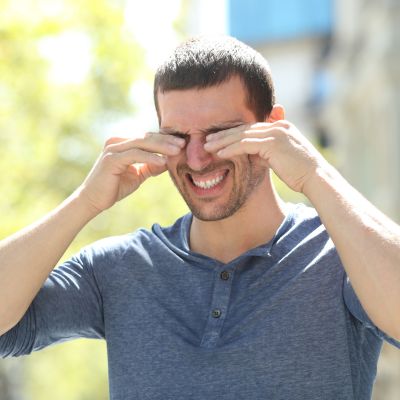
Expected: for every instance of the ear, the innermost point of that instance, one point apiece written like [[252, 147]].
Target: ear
[[277, 113]]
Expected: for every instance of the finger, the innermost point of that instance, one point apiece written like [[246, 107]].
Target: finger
[[114, 140], [119, 162], [146, 171], [154, 142], [251, 146], [149, 143], [226, 132], [134, 156], [148, 136], [237, 129], [145, 142], [258, 131]]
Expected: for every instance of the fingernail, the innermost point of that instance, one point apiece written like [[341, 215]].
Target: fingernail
[[210, 137], [179, 141], [174, 149], [220, 153]]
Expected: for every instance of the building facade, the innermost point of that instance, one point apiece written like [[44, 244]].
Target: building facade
[[335, 64], [362, 116]]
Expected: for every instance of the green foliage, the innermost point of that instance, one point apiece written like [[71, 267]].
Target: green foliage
[[50, 134], [75, 370], [48, 130]]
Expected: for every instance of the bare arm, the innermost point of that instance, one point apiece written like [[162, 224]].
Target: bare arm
[[367, 241], [28, 256], [368, 244]]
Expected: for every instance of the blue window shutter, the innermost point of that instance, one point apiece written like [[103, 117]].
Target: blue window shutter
[[270, 20]]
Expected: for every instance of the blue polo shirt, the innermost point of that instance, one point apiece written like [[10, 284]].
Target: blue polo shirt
[[279, 322]]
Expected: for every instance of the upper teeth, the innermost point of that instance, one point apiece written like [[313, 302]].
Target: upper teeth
[[208, 184]]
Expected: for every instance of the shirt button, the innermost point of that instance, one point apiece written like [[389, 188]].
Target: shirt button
[[224, 275], [216, 313]]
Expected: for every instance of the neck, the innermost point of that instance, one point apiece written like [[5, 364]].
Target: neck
[[253, 225]]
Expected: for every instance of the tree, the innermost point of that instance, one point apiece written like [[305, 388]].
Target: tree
[[52, 113]]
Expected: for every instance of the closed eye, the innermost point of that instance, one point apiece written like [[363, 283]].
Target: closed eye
[[179, 135]]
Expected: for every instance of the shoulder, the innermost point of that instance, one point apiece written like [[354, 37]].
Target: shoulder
[[143, 242], [303, 232], [302, 220], [303, 213], [116, 247]]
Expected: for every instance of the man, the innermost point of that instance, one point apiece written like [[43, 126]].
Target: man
[[246, 297]]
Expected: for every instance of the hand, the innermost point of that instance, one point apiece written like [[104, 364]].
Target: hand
[[278, 145], [124, 165]]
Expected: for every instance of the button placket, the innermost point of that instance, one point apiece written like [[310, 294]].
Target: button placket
[[224, 275], [218, 307], [216, 313]]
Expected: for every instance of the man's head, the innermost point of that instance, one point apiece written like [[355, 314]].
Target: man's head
[[209, 61], [209, 85]]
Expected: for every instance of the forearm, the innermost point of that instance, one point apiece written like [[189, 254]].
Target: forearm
[[28, 256], [367, 242]]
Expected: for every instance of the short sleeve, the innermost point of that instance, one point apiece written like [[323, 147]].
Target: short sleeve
[[356, 309], [68, 306]]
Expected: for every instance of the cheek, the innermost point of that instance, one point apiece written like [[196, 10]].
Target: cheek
[[257, 162], [242, 163], [172, 162], [247, 168]]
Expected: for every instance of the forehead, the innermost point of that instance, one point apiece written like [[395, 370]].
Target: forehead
[[193, 109]]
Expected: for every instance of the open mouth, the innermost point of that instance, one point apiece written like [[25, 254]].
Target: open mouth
[[209, 181]]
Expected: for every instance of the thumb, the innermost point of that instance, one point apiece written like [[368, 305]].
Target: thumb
[[145, 171], [114, 140]]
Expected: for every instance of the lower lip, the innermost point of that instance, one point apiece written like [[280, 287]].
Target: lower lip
[[211, 192]]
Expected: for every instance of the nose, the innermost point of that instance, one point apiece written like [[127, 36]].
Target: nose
[[196, 157]]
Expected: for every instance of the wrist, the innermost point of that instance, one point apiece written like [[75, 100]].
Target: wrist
[[79, 201], [322, 177]]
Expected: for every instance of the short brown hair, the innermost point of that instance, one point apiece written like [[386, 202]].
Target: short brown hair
[[210, 60]]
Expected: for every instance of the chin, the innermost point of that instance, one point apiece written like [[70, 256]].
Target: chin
[[217, 214]]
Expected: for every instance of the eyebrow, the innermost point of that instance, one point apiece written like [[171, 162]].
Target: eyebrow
[[211, 129]]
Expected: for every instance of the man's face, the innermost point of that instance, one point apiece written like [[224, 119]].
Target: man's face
[[213, 188]]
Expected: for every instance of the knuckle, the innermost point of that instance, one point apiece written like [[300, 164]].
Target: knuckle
[[135, 142], [110, 141], [281, 131], [148, 135], [272, 142], [107, 148], [284, 124], [108, 157], [246, 127], [246, 142]]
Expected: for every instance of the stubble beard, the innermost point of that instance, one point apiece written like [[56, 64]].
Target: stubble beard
[[249, 178]]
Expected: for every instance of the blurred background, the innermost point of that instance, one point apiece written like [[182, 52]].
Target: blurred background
[[73, 73]]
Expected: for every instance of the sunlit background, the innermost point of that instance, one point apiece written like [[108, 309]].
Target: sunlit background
[[73, 73]]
